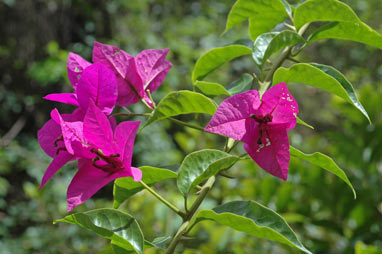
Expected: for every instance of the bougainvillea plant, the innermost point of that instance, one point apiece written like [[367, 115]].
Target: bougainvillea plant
[[258, 113]]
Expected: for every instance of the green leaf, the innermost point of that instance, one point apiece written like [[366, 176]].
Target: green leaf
[[213, 59], [182, 102], [263, 15], [359, 32], [161, 242], [244, 83], [270, 43], [287, 7], [125, 187], [325, 162], [121, 228], [200, 165], [254, 219], [211, 89], [323, 10], [299, 121], [323, 77]]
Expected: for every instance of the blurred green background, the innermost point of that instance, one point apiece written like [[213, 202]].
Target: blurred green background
[[36, 37]]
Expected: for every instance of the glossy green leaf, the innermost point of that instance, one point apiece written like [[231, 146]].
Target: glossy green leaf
[[122, 229], [323, 77], [182, 102], [213, 59], [299, 121], [159, 243], [323, 10], [287, 7], [254, 219], [263, 15], [244, 83], [211, 89], [270, 43], [200, 165], [125, 187], [359, 32], [325, 162]]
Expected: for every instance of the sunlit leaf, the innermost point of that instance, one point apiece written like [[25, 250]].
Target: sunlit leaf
[[324, 162], [211, 89], [200, 165], [323, 77], [125, 187], [254, 219], [122, 229], [182, 102], [359, 32], [216, 57], [323, 10], [263, 15], [270, 43]]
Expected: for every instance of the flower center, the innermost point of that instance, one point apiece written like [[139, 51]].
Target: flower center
[[262, 120], [56, 144], [110, 164]]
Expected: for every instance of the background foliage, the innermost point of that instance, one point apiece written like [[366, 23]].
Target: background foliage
[[36, 38]]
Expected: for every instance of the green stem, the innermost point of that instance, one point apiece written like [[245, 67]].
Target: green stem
[[151, 98], [164, 201], [233, 146], [183, 228], [187, 124], [147, 105], [131, 114]]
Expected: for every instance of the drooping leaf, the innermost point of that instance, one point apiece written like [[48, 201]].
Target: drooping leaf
[[125, 187], [323, 10], [325, 162], [216, 57], [211, 88], [244, 83], [323, 77], [254, 219], [359, 32], [270, 43], [200, 165], [182, 102], [122, 229], [263, 15], [299, 121]]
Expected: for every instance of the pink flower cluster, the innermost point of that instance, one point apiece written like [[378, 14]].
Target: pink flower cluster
[[89, 134], [261, 124]]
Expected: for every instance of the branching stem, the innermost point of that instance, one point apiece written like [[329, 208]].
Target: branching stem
[[163, 200], [189, 215]]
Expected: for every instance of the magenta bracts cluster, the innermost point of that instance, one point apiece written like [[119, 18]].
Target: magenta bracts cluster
[[261, 124], [103, 148]]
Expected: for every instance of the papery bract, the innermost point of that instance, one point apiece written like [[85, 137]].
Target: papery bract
[[261, 124], [97, 83], [134, 75], [103, 154], [75, 66], [52, 142]]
